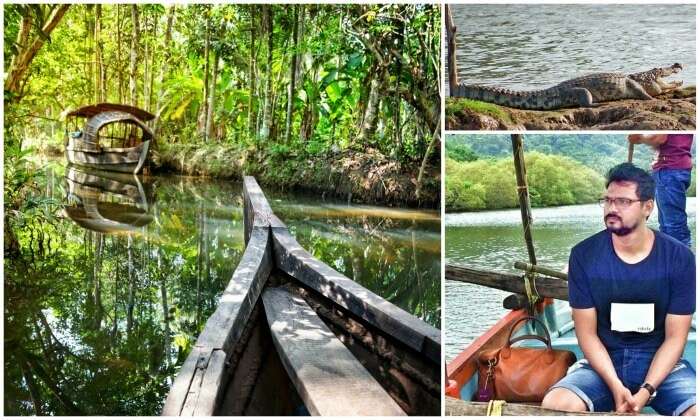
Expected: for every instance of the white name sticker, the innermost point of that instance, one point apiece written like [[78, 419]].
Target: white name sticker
[[632, 317]]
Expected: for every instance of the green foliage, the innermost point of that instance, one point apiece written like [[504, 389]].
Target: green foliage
[[460, 152], [487, 184]]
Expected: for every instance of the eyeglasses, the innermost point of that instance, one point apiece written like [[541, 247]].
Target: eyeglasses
[[621, 203]]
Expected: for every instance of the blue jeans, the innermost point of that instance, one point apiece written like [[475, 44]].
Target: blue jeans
[[671, 185], [675, 395]]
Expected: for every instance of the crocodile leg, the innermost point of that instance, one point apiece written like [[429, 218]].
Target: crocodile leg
[[577, 96], [670, 86], [636, 90]]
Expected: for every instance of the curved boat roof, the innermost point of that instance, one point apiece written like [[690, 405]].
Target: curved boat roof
[[90, 111], [93, 125]]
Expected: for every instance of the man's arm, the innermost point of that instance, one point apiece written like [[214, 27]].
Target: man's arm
[[653, 140], [666, 357], [585, 322]]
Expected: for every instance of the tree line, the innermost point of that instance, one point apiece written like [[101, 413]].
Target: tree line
[[489, 184], [295, 77]]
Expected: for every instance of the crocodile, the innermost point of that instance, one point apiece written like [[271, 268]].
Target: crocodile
[[584, 91]]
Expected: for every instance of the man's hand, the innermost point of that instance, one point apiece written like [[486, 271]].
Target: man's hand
[[634, 138], [641, 398], [624, 401]]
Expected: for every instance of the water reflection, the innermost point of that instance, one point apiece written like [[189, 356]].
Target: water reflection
[[98, 321], [106, 202]]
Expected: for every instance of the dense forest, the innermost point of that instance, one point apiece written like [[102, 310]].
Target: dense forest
[[252, 85], [562, 169]]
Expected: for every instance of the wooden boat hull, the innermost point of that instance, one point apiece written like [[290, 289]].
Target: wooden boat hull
[[255, 358], [126, 160]]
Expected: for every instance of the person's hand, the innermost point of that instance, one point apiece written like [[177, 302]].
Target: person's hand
[[634, 138], [641, 398], [624, 401]]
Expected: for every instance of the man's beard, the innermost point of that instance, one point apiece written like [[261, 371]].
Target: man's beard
[[622, 230]]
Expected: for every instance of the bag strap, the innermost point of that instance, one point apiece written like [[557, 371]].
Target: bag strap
[[546, 339]]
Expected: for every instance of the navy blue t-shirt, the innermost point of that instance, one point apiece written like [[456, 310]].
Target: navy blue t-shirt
[[598, 277]]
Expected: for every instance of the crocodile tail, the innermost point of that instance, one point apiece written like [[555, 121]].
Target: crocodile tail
[[494, 95]]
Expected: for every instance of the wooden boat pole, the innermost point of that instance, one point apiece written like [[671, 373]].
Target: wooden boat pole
[[630, 152], [450, 30], [523, 195]]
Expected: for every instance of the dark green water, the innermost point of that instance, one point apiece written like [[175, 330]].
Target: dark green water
[[493, 240], [99, 323]]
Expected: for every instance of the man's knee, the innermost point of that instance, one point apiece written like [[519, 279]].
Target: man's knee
[[689, 412], [564, 400]]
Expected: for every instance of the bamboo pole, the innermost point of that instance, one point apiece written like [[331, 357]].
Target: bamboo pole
[[523, 195]]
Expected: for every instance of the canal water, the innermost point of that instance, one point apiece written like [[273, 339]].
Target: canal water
[[493, 240], [104, 303], [534, 46]]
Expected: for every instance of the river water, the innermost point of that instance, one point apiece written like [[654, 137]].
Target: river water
[[534, 46], [104, 304], [493, 240]]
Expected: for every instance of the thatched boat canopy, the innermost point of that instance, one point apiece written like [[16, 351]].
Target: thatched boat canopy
[[89, 111]]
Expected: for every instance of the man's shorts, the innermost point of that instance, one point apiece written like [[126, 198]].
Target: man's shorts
[[675, 395]]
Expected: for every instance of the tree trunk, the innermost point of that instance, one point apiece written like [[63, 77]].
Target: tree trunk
[[212, 96], [164, 67], [133, 94], [120, 77], [205, 98], [292, 76], [426, 157], [451, 50], [397, 90], [369, 122], [251, 78], [28, 49], [100, 72], [267, 112]]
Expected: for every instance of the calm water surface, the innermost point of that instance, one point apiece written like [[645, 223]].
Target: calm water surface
[[493, 240], [99, 321], [536, 46]]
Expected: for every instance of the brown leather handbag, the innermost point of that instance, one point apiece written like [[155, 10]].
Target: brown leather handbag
[[520, 374]]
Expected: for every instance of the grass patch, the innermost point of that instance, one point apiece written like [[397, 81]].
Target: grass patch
[[457, 105]]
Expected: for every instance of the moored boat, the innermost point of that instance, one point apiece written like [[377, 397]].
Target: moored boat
[[112, 137]]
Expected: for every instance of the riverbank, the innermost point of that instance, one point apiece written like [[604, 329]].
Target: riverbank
[[672, 111], [367, 177]]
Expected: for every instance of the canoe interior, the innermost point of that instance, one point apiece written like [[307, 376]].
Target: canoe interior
[[385, 355], [557, 316]]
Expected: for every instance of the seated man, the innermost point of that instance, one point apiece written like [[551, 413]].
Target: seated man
[[632, 296]]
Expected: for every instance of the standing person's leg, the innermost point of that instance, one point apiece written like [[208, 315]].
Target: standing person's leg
[[671, 185]]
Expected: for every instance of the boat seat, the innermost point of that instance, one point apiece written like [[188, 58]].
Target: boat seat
[[329, 379]]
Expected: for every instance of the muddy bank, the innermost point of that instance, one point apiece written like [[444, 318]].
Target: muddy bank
[[673, 111], [366, 177]]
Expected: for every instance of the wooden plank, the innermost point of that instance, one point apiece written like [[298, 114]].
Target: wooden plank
[[256, 209], [327, 376], [209, 391], [546, 286], [294, 260], [455, 407], [181, 386]]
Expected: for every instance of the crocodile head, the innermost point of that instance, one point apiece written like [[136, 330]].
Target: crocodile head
[[656, 75], [652, 80]]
